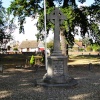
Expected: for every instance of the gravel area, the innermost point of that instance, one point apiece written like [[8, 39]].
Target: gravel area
[[18, 84]]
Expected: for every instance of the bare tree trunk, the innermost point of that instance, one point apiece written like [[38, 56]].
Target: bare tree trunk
[[63, 42]]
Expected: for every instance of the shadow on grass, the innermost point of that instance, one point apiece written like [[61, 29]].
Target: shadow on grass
[[18, 84]]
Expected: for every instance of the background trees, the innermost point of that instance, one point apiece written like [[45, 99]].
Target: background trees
[[87, 18], [6, 25], [2, 23]]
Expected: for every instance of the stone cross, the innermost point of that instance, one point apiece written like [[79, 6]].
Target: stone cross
[[57, 70], [56, 17]]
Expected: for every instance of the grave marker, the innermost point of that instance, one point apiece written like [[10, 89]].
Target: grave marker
[[57, 70]]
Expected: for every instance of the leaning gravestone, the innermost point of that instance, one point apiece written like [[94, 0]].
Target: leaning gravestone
[[57, 70]]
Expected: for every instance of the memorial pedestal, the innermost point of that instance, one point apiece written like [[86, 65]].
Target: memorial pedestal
[[57, 73], [57, 70]]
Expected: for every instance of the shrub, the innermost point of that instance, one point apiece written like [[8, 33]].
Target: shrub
[[32, 60], [88, 48]]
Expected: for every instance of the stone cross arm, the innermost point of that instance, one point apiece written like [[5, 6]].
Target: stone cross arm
[[56, 16]]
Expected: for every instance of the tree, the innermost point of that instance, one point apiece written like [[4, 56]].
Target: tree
[[50, 45], [74, 16], [95, 47], [6, 25], [93, 12], [86, 41]]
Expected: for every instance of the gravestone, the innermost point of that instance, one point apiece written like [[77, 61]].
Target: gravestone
[[1, 68], [57, 70]]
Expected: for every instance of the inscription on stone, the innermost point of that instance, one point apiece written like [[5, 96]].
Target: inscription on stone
[[58, 67]]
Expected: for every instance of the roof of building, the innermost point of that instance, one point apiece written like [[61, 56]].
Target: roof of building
[[29, 44], [80, 44]]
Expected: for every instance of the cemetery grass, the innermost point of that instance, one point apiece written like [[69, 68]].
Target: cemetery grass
[[78, 60], [82, 60], [18, 83]]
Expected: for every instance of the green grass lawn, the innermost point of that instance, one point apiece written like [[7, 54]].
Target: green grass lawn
[[15, 59], [84, 60]]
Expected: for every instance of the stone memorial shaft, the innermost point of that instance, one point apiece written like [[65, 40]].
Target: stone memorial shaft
[[56, 17], [57, 70]]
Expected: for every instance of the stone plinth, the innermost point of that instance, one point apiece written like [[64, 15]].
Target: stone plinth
[[57, 69], [57, 73]]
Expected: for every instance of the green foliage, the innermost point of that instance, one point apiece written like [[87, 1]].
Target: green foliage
[[32, 60], [43, 60], [95, 47], [74, 16], [5, 23], [76, 40], [81, 49], [82, 1], [43, 57], [15, 49], [50, 45], [70, 17], [2, 26], [86, 41], [88, 48]]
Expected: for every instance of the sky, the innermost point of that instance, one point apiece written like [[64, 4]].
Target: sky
[[30, 27], [88, 2]]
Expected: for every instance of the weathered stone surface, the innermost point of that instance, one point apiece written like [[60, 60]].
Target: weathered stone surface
[[1, 68], [56, 17], [57, 70]]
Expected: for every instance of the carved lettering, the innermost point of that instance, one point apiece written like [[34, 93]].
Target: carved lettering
[[58, 67]]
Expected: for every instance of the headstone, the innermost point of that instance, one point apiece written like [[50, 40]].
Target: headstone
[[19, 66], [57, 70], [1, 68], [90, 67]]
